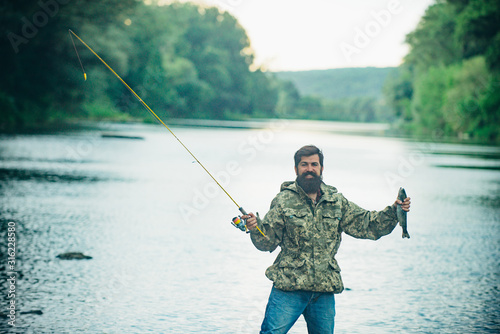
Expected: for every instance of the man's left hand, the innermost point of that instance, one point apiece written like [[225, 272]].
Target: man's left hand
[[405, 205]]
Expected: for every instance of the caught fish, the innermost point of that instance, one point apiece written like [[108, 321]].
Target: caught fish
[[401, 214]]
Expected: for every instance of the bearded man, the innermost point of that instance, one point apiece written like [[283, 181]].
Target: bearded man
[[306, 220]]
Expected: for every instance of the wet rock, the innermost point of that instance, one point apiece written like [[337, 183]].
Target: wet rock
[[73, 256], [121, 136], [39, 312]]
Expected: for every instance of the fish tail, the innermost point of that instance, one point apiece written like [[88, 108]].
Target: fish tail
[[406, 235]]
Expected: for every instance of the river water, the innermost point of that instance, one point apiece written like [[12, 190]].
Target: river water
[[165, 258]]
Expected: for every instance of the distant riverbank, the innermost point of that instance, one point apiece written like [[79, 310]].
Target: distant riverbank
[[350, 128]]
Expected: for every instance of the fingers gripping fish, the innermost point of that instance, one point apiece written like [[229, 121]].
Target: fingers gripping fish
[[402, 214]]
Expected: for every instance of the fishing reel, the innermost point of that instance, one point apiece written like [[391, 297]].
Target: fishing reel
[[240, 223]]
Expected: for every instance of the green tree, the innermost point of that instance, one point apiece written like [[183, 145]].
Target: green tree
[[429, 98], [194, 63], [462, 110], [478, 29], [185, 60], [449, 81], [432, 43], [43, 82]]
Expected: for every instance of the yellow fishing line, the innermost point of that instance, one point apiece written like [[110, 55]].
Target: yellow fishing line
[[154, 114]]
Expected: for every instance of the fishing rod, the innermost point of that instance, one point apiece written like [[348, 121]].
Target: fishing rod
[[237, 221]]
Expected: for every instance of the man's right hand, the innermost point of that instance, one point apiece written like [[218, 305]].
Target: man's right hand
[[251, 221]]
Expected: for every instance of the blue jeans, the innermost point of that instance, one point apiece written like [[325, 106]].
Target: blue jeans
[[285, 307]]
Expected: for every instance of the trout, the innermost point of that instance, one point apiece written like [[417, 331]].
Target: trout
[[401, 214]]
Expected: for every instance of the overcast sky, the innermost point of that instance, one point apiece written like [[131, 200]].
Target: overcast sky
[[294, 35]]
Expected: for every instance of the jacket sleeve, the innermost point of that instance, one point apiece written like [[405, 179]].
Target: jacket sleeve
[[272, 226], [360, 223]]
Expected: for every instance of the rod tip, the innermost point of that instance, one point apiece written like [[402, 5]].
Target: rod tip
[[85, 76]]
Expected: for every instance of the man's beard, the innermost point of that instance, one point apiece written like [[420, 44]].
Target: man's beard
[[310, 185]]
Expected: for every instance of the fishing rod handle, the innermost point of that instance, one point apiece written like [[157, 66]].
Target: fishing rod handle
[[245, 213]]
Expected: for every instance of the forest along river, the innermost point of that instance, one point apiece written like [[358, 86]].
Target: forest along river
[[165, 258]]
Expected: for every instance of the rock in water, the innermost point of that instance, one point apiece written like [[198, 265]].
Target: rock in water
[[39, 312], [73, 256]]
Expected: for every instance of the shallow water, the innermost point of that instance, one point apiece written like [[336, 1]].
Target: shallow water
[[167, 260]]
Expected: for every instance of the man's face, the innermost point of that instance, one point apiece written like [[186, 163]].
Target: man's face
[[309, 173], [309, 164]]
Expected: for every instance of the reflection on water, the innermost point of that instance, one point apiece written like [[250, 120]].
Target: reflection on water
[[165, 258], [36, 175], [465, 156]]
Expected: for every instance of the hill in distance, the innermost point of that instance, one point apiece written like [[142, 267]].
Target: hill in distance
[[339, 83]]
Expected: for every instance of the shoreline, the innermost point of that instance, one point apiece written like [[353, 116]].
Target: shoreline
[[339, 127]]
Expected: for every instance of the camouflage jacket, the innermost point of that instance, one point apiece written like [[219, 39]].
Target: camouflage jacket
[[309, 236]]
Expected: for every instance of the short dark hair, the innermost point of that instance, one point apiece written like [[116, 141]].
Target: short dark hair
[[307, 151]]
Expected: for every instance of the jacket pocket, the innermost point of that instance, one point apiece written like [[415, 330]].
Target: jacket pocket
[[295, 216], [334, 265], [331, 221], [289, 274], [296, 227], [334, 213], [335, 280], [291, 263]]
